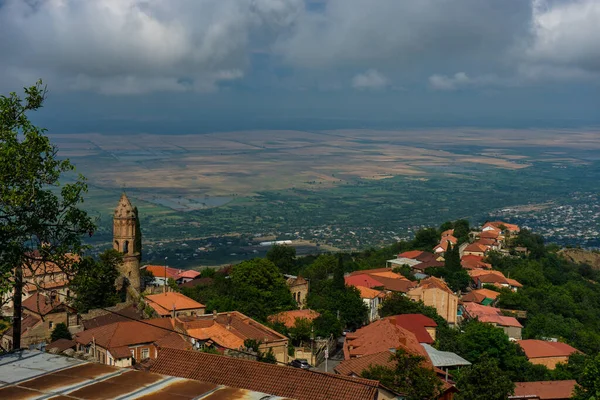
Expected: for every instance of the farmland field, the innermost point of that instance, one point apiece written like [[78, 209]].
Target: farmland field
[[345, 188]]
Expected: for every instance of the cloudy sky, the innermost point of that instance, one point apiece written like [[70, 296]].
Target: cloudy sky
[[198, 65]]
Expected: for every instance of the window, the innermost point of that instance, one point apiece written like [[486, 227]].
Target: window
[[50, 324], [132, 353], [145, 354], [126, 247]]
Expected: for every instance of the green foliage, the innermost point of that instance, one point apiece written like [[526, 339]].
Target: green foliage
[[301, 331], [452, 272], [252, 344], [324, 297], [268, 357], [94, 282], [327, 324], [426, 239], [484, 381], [259, 289], [320, 269], [338, 274], [573, 369], [589, 381], [146, 277], [284, 257], [173, 285], [405, 271], [209, 350], [37, 212], [408, 377], [60, 332]]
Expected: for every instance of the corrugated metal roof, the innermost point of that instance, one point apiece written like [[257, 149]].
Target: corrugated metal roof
[[31, 374], [444, 358]]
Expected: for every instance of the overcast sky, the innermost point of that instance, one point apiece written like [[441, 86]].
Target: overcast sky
[[200, 65]]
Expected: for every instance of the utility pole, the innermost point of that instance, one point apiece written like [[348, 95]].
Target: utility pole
[[327, 356], [17, 308]]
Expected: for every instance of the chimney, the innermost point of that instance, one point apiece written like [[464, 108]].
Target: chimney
[[215, 315], [228, 321]]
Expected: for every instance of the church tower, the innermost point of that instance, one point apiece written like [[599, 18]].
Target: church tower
[[127, 239]]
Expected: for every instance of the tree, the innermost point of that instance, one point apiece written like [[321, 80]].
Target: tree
[[338, 274], [301, 331], [425, 239], [589, 381], [40, 219], [259, 290], [268, 357], [94, 284], [147, 277], [408, 377], [60, 332], [327, 324], [284, 257], [484, 381]]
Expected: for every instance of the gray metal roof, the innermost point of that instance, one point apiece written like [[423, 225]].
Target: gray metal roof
[[31, 374], [404, 261], [444, 358]]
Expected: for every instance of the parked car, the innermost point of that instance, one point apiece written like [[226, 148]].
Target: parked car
[[300, 363]]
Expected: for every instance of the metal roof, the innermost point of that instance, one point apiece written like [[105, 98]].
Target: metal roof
[[444, 358], [31, 374]]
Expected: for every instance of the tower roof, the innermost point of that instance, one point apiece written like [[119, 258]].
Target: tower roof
[[124, 208]]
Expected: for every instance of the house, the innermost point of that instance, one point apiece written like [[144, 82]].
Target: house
[[60, 345], [227, 332], [287, 382], [372, 299], [380, 278], [41, 314], [417, 260], [474, 262], [288, 318], [172, 304], [435, 293], [475, 249], [99, 317], [544, 390], [423, 327], [512, 229], [299, 288], [197, 282], [480, 296], [381, 335], [178, 275], [547, 353], [58, 377], [355, 367], [495, 278], [123, 343], [493, 316]]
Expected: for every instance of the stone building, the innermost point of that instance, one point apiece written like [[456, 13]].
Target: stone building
[[299, 288], [127, 239]]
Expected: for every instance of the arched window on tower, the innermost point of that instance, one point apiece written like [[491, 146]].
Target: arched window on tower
[[126, 247], [117, 245]]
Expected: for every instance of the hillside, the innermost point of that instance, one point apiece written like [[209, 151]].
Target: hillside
[[581, 256]]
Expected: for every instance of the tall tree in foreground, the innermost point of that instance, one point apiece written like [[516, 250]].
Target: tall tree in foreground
[[40, 222]]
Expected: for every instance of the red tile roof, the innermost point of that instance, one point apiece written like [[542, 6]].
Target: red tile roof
[[472, 261], [491, 234], [380, 336], [413, 254], [479, 295], [509, 227], [127, 314], [164, 303], [60, 345], [198, 282], [433, 282], [366, 293], [28, 322], [417, 324], [293, 383], [356, 366], [362, 280], [229, 329], [540, 348], [122, 334], [288, 318], [159, 272], [382, 277], [41, 304], [476, 248], [490, 315], [545, 390]]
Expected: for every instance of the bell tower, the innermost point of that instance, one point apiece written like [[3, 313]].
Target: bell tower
[[127, 239]]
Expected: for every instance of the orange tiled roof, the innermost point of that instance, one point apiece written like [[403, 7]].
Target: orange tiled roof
[[433, 282], [490, 315], [472, 261], [293, 383], [540, 348], [545, 390], [40, 304], [164, 303], [367, 293], [241, 327], [479, 295], [509, 227], [491, 234], [388, 274], [476, 248], [122, 334], [288, 318], [381, 277], [356, 366], [417, 324], [380, 336], [413, 254], [370, 271]]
